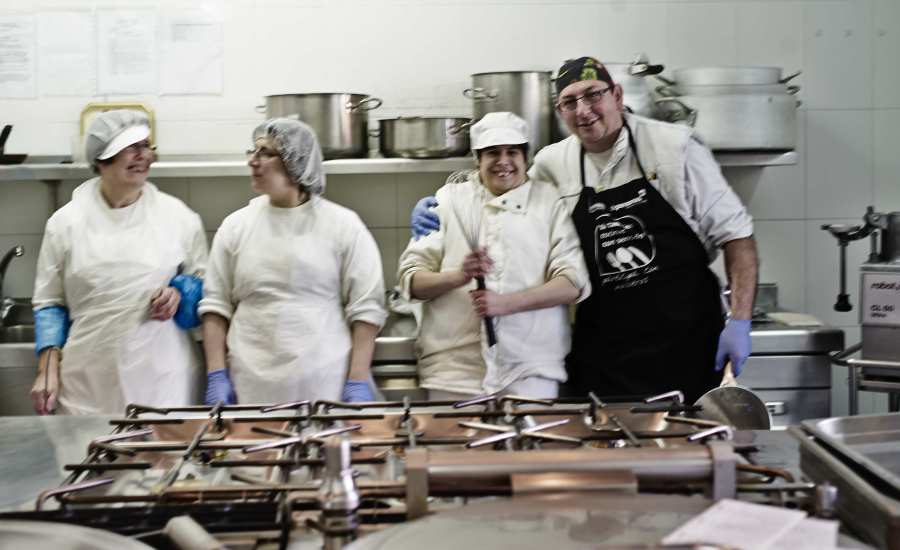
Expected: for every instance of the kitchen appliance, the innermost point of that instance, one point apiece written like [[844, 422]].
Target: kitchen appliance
[[636, 90], [734, 405], [330, 472], [525, 93], [6, 158], [878, 367], [424, 137], [340, 120]]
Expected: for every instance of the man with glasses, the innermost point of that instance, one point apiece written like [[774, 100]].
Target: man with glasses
[[651, 208]]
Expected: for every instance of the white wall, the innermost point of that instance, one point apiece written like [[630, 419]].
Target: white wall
[[417, 55]]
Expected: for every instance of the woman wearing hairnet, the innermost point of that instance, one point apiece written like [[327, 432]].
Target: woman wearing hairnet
[[528, 253], [294, 293], [122, 260]]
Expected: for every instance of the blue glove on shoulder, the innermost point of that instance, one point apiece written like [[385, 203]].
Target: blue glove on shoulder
[[357, 391], [424, 220], [51, 327], [734, 343], [219, 388], [191, 289]]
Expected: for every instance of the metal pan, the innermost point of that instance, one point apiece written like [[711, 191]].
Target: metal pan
[[734, 405], [424, 137]]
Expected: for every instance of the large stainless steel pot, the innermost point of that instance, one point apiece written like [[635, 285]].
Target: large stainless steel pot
[[738, 121], [715, 76], [526, 93], [424, 137], [340, 120]]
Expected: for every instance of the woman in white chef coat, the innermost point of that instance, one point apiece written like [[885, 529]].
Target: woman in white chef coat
[[530, 257], [294, 294], [117, 285]]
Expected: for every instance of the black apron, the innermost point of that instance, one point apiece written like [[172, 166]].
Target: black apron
[[653, 320]]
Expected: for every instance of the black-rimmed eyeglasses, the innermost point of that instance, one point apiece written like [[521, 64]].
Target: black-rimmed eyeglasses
[[590, 97]]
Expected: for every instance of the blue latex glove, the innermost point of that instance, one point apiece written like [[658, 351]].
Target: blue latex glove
[[191, 289], [51, 327], [357, 391], [734, 343], [423, 219], [219, 388]]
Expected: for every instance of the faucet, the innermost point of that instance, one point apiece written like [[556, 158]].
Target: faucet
[[13, 252]]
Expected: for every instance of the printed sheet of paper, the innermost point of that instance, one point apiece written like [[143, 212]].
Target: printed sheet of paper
[[17, 57], [67, 53], [738, 524], [810, 534], [127, 54], [192, 54]]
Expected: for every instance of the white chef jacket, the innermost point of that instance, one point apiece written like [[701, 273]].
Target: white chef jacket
[[103, 264], [681, 168], [528, 233], [291, 281]]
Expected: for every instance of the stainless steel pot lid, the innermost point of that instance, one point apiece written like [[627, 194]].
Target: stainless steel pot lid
[[42, 535], [560, 521]]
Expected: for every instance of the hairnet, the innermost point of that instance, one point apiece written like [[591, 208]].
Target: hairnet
[[299, 149], [106, 127]]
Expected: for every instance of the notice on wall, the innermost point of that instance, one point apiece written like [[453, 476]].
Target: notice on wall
[[126, 48], [17, 57], [67, 53], [191, 54]]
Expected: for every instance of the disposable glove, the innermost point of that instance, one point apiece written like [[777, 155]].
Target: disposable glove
[[51, 328], [357, 391], [423, 219], [734, 343], [219, 388], [191, 289]]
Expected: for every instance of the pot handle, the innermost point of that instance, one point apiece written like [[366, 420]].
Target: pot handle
[[788, 78], [480, 94], [260, 108], [664, 80], [686, 113], [366, 104], [793, 89], [666, 91], [375, 132], [459, 128]]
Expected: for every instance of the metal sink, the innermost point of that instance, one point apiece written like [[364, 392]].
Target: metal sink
[[17, 334]]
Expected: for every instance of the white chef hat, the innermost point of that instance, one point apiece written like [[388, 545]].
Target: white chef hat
[[499, 128]]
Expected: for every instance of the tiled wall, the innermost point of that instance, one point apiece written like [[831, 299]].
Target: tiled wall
[[417, 55]]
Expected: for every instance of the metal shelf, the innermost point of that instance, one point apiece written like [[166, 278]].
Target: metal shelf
[[52, 168]]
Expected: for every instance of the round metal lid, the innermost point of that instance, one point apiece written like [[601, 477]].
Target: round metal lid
[[43, 535], [558, 521]]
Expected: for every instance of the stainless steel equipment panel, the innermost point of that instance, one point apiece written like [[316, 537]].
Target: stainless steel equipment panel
[[787, 371], [788, 407]]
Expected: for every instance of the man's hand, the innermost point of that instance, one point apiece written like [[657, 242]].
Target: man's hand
[[164, 303], [734, 344], [423, 219]]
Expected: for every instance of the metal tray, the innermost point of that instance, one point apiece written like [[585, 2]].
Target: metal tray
[[870, 444]]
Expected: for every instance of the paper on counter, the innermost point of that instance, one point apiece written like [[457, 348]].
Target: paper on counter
[[68, 54], [127, 58], [795, 319], [737, 524], [17, 57], [810, 534]]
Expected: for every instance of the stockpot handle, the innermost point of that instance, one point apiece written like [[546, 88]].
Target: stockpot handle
[[788, 78], [365, 104], [666, 90], [793, 89], [375, 132], [686, 113], [664, 80], [459, 128], [260, 108], [480, 94]]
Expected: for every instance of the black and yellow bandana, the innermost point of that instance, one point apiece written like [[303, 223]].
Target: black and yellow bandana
[[583, 68]]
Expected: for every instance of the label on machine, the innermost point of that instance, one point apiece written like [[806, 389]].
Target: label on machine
[[880, 299]]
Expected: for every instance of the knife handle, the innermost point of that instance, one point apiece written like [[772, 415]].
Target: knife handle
[[488, 321]]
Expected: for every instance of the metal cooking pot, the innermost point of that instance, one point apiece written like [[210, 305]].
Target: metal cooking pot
[[340, 120], [737, 121], [716, 76], [676, 89], [424, 137], [526, 93]]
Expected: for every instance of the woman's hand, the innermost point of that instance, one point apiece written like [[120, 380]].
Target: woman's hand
[[45, 390], [477, 264], [488, 303], [164, 303]]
